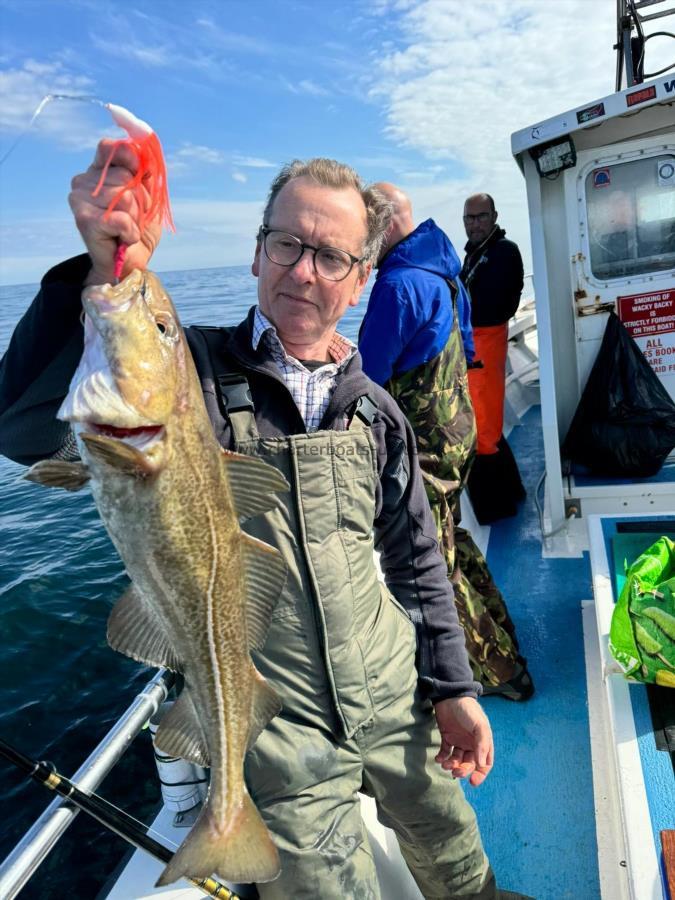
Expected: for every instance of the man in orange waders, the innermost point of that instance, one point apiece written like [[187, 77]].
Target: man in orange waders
[[493, 275]]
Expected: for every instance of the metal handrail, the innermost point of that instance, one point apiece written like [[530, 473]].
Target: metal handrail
[[41, 837]]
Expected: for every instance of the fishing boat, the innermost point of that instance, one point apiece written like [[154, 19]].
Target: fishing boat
[[581, 801]]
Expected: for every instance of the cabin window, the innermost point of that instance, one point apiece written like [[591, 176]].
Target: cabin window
[[631, 217]]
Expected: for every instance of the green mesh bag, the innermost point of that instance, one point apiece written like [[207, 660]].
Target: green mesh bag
[[642, 633]]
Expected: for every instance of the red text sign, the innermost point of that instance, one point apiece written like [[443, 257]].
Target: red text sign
[[650, 319], [645, 314]]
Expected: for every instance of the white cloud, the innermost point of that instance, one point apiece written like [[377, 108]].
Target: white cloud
[[185, 159], [460, 78], [200, 153], [467, 77], [172, 47], [305, 86], [232, 41], [253, 162], [150, 55], [310, 87], [73, 124]]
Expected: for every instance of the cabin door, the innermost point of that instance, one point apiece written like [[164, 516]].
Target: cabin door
[[620, 203]]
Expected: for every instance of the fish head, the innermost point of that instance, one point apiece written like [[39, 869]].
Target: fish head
[[132, 380]]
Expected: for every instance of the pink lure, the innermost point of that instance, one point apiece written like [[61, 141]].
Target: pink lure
[[151, 173]]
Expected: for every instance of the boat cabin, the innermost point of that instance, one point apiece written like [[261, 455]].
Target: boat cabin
[[601, 196]]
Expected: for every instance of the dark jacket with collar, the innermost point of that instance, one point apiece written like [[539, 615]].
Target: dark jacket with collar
[[34, 378], [493, 275]]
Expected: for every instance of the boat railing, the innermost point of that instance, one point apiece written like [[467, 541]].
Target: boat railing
[[42, 836], [522, 365]]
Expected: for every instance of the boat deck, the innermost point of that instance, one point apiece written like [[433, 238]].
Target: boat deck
[[536, 810]]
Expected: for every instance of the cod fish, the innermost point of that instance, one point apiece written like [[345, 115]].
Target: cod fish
[[202, 591]]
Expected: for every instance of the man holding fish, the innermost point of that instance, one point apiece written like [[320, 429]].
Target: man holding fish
[[376, 690]]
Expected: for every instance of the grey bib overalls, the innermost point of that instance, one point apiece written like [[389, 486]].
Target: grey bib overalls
[[341, 654]]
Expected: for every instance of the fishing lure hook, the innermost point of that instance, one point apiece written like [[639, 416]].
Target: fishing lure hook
[[145, 145]]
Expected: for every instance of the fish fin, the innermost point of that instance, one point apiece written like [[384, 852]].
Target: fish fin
[[126, 459], [265, 576], [265, 706], [135, 630], [180, 732], [242, 851], [253, 483], [71, 476]]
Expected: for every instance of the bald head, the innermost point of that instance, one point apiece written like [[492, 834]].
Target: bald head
[[482, 200], [402, 223]]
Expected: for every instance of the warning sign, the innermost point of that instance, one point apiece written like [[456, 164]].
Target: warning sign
[[650, 319]]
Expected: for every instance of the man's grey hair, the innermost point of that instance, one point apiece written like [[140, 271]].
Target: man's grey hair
[[333, 174]]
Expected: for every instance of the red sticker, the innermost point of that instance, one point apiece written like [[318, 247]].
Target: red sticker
[[641, 95], [646, 314]]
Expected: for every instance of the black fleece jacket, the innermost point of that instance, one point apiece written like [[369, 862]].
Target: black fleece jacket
[[493, 274], [34, 377]]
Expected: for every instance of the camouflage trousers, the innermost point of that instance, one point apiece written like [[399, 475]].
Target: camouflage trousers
[[435, 398], [489, 632]]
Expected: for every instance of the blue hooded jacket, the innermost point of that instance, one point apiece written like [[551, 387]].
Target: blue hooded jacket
[[409, 316]]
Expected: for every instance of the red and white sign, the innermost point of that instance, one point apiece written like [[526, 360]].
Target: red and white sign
[[650, 319]]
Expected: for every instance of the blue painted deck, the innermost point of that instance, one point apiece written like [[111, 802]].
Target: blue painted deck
[[536, 811]]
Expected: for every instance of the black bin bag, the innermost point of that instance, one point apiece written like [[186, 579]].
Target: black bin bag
[[624, 425]]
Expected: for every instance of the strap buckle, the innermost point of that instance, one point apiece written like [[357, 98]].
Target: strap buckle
[[236, 393], [365, 409]]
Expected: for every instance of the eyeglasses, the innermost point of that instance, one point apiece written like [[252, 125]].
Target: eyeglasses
[[286, 250], [479, 217]]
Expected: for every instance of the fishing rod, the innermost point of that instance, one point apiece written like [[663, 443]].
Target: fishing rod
[[112, 817]]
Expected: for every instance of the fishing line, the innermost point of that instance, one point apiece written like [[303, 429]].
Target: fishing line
[[152, 197], [165, 839], [48, 98]]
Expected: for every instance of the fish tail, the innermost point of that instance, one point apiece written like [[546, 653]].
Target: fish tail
[[241, 852]]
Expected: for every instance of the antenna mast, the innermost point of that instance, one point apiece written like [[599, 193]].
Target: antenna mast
[[631, 39]]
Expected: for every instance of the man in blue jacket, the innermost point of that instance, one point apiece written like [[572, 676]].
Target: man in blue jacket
[[416, 340]]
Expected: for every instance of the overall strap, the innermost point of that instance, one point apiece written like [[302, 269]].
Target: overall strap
[[454, 290], [233, 391], [363, 414]]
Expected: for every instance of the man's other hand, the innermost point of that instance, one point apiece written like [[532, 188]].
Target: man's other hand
[[102, 236], [467, 747]]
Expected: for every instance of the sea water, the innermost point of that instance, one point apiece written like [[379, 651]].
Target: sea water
[[61, 687]]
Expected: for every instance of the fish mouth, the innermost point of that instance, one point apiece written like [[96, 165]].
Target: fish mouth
[[142, 437]]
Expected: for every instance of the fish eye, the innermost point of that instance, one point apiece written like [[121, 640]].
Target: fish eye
[[166, 326]]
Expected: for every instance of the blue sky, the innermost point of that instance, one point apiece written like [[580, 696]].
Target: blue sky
[[424, 94]]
